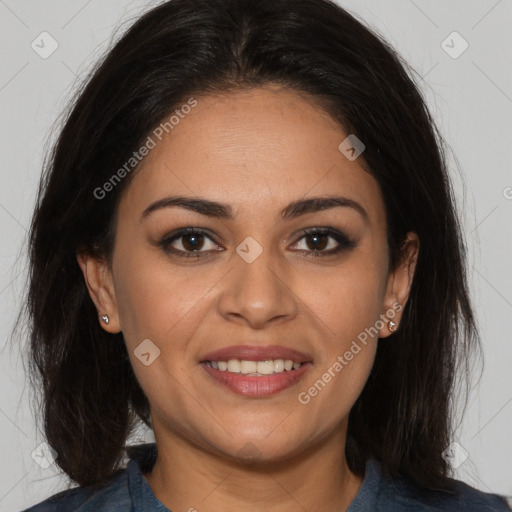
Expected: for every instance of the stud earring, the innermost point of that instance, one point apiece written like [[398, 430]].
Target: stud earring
[[392, 326], [105, 319]]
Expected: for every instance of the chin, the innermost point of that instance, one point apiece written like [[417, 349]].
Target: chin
[[253, 451]]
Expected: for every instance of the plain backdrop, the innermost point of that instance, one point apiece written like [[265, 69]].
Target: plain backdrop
[[469, 93]]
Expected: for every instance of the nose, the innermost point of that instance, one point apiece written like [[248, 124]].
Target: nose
[[258, 293]]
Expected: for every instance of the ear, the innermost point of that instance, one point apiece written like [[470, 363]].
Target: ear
[[399, 284], [99, 281]]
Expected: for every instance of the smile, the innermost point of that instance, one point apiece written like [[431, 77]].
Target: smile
[[256, 384], [255, 368]]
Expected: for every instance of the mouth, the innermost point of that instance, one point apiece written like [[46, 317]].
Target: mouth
[[256, 371]]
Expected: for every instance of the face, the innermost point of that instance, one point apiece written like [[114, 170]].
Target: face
[[264, 283]]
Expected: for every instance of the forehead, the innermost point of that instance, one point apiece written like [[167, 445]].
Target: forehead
[[257, 150]]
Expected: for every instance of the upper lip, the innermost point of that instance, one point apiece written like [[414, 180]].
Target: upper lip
[[256, 353]]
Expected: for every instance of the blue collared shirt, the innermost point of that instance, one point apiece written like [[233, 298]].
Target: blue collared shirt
[[129, 491]]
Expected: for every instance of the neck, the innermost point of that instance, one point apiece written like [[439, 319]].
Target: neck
[[186, 477]]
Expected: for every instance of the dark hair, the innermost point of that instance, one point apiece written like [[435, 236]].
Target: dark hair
[[187, 48]]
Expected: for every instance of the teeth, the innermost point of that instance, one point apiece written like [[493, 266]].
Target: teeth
[[278, 365], [265, 367], [255, 368], [234, 366], [247, 366]]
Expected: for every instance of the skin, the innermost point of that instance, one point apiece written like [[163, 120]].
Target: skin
[[257, 151]]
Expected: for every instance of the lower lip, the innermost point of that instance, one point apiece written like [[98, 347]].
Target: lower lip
[[267, 385]]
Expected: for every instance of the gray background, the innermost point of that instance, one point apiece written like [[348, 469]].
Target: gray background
[[470, 97]]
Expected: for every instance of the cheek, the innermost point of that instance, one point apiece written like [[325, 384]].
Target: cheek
[[156, 300], [348, 302], [347, 299], [346, 359]]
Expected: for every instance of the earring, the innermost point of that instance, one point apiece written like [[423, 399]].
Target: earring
[[105, 319], [392, 326]]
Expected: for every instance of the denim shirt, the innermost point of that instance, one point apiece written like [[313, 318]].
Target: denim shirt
[[129, 491]]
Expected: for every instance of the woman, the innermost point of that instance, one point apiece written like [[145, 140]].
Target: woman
[[245, 237]]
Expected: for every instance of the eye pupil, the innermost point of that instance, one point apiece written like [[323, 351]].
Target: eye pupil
[[316, 238], [196, 241]]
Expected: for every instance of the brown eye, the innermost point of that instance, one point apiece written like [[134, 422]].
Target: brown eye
[[317, 240], [192, 242], [189, 243]]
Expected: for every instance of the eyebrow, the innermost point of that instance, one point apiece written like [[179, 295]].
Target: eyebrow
[[224, 211]]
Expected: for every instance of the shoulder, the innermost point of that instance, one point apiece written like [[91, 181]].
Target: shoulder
[[116, 495], [403, 495], [113, 496]]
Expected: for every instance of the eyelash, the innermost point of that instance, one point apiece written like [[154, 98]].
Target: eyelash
[[345, 243]]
